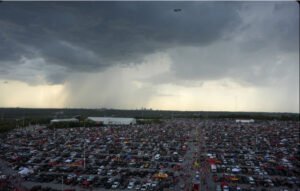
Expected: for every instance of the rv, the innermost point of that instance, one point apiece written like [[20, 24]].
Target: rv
[[213, 168]]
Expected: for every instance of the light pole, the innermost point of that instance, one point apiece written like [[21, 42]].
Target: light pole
[[255, 138], [62, 182], [84, 155]]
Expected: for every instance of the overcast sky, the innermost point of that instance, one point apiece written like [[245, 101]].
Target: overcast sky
[[216, 56]]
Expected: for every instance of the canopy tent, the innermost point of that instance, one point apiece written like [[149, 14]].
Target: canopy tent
[[74, 120], [236, 170], [161, 175], [25, 171]]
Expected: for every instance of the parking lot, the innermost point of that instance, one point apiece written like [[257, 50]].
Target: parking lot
[[256, 156], [100, 157], [178, 154]]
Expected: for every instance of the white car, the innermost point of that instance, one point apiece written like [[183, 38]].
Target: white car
[[154, 184], [157, 157], [110, 180], [225, 188], [115, 185], [130, 185], [144, 187], [138, 187], [251, 180]]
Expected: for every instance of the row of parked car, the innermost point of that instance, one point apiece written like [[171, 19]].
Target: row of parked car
[[115, 157], [257, 155]]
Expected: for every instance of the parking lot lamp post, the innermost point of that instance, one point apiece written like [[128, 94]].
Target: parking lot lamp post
[[62, 183], [255, 138], [84, 155]]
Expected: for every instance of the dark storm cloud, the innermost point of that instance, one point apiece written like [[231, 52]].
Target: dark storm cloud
[[262, 49], [90, 36], [269, 23], [240, 40]]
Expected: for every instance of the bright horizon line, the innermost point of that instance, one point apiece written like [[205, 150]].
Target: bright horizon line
[[151, 109]]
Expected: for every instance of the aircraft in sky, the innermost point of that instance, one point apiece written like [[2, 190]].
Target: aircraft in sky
[[177, 10]]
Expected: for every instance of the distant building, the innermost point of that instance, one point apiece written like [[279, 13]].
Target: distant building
[[244, 121], [112, 120], [72, 120]]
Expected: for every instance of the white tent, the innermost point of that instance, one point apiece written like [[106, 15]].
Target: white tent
[[236, 170], [74, 120], [25, 171], [68, 160], [112, 120], [244, 121]]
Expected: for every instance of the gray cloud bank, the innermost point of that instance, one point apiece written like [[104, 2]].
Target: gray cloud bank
[[58, 38]]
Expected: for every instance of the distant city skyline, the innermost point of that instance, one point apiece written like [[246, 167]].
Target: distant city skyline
[[209, 56]]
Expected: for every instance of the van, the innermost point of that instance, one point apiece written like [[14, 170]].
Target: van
[[213, 168], [157, 157], [225, 188], [251, 180]]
